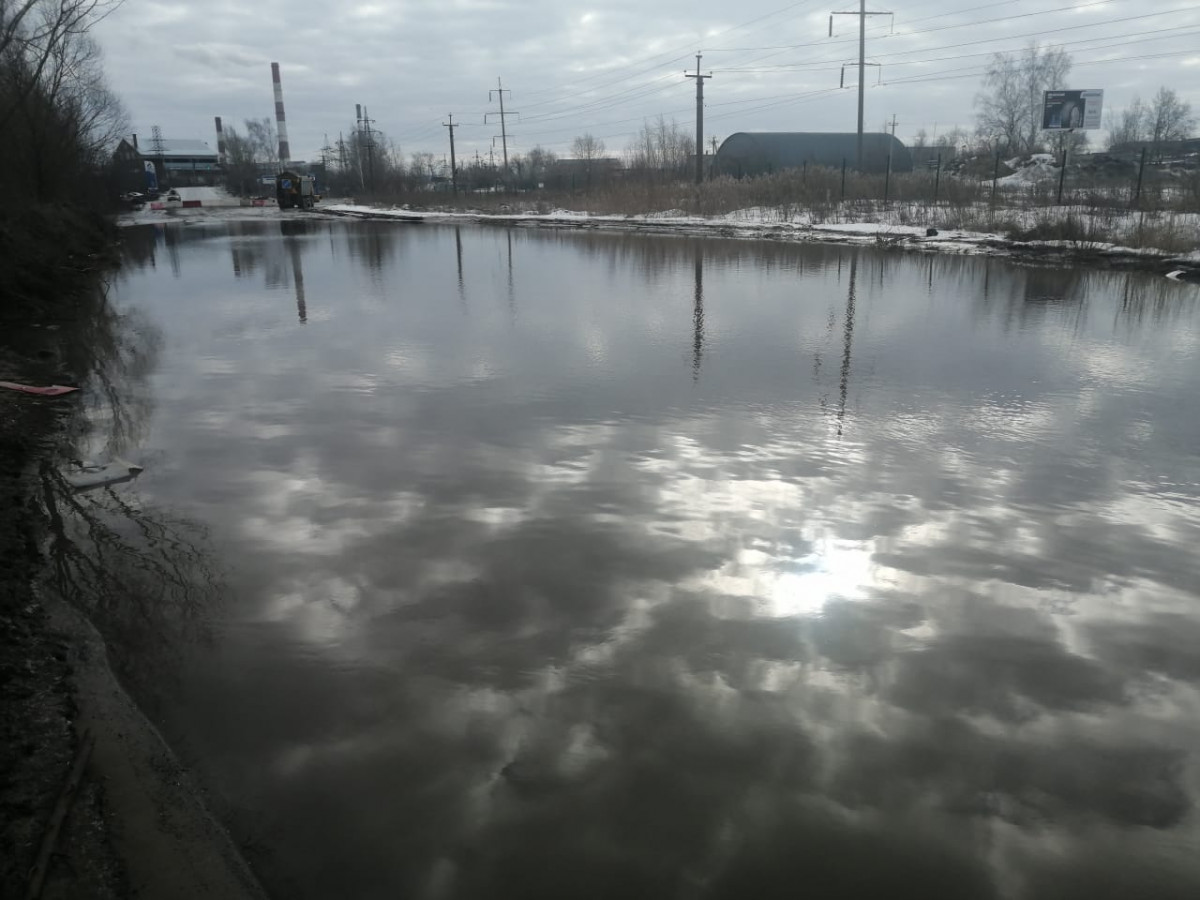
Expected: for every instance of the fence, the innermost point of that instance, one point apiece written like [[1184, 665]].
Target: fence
[[1096, 197]]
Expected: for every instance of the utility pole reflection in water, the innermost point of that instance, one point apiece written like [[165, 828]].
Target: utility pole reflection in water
[[698, 316], [847, 344], [512, 297], [462, 288]]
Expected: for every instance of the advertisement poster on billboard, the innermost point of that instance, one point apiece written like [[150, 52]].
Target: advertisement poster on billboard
[[1068, 110]]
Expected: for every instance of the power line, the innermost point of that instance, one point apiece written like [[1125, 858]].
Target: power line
[[976, 72], [659, 56], [815, 66], [632, 88], [641, 91]]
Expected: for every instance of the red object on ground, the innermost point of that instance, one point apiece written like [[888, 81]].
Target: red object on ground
[[54, 390]]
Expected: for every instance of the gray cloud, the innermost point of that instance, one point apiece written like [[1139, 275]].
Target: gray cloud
[[576, 67]]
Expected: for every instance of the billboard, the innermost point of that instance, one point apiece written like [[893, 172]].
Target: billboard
[[1068, 110]]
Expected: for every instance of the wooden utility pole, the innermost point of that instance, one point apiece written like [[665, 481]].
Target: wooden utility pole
[[862, 61], [453, 164], [893, 124], [700, 118], [500, 91]]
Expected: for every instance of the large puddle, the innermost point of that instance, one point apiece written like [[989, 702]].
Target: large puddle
[[566, 565]]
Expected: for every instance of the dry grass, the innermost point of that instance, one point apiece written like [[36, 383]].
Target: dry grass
[[1093, 211]]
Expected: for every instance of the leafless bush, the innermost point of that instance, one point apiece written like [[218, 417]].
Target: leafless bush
[[59, 118]]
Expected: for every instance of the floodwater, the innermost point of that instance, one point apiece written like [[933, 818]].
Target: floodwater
[[563, 564]]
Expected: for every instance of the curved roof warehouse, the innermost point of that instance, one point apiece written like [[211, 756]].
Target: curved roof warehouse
[[758, 153]]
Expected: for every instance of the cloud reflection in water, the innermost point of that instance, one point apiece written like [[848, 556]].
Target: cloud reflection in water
[[652, 577]]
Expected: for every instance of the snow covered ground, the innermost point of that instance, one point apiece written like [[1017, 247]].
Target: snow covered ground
[[196, 216], [1040, 167], [890, 227]]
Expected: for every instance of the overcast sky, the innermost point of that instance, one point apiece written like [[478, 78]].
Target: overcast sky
[[577, 66]]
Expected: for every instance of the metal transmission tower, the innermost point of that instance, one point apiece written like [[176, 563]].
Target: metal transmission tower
[[500, 91], [862, 60], [699, 118], [453, 164], [157, 145], [367, 138]]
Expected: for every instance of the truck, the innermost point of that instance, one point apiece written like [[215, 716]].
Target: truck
[[295, 191]]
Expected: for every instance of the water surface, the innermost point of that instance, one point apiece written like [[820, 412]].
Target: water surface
[[563, 564]]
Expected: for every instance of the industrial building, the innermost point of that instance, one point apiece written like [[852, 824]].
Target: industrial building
[[759, 153], [176, 163]]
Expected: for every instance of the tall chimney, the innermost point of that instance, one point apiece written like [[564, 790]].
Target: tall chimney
[[357, 112], [280, 118], [220, 142], [135, 146]]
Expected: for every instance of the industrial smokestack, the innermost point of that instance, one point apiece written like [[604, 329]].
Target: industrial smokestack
[[220, 142], [135, 146], [280, 118], [357, 112]]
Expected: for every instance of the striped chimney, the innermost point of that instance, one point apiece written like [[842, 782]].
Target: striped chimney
[[280, 119], [220, 141]]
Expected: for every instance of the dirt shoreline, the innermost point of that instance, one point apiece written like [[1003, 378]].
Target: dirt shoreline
[[169, 844], [135, 826]]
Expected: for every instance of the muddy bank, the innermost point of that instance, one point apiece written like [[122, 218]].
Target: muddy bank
[[168, 843], [38, 705], [133, 824], [137, 825]]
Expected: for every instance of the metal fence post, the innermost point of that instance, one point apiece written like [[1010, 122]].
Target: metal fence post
[[887, 178], [1137, 192], [1062, 176], [843, 178]]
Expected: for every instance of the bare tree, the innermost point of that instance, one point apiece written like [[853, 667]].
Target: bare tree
[[1168, 118], [539, 160], [1130, 125], [955, 137], [588, 148], [661, 146], [32, 32], [241, 169], [264, 140], [1008, 109], [60, 118], [423, 166]]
